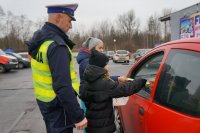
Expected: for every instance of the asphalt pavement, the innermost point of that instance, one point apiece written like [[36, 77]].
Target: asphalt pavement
[[19, 112]]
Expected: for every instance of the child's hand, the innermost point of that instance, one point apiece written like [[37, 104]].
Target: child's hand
[[122, 79]]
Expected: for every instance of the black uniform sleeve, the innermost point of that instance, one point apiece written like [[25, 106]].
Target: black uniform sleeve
[[59, 63], [127, 89]]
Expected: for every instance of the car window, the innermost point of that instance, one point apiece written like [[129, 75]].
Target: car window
[[148, 70], [122, 52], [179, 87], [24, 55]]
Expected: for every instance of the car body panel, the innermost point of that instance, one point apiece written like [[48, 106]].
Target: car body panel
[[8, 62], [4, 60], [157, 118]]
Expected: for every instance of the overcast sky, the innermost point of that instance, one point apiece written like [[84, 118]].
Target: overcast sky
[[92, 11]]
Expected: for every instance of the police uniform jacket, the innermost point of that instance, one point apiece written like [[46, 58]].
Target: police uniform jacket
[[59, 61]]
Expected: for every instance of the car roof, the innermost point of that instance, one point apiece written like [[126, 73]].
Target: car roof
[[189, 40]]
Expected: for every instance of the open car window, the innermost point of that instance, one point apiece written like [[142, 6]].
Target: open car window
[[148, 69]]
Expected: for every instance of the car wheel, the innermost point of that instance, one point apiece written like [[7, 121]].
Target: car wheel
[[2, 69], [8, 70], [20, 65], [119, 128]]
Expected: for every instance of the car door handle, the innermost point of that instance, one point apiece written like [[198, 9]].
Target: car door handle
[[141, 111]]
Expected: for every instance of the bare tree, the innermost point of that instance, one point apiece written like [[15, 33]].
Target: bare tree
[[25, 26], [2, 15], [128, 23], [104, 28], [40, 22], [153, 30], [166, 26], [1, 11]]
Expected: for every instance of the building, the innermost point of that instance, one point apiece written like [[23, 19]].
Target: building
[[184, 23]]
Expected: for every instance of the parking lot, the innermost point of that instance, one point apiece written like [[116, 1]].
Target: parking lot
[[19, 112]]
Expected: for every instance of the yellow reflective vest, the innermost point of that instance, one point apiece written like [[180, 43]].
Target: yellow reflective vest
[[42, 78]]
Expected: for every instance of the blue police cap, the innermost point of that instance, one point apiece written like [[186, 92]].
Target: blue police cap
[[68, 9]]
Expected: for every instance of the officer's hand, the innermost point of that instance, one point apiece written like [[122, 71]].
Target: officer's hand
[[81, 125]]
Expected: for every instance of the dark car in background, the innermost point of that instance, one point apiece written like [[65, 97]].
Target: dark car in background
[[110, 54], [25, 56], [22, 63], [7, 62], [140, 52]]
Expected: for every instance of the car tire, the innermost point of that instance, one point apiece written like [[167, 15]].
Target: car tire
[[21, 65], [8, 70], [118, 124], [2, 69]]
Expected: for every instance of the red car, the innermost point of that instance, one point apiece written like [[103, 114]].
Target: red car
[[172, 104]]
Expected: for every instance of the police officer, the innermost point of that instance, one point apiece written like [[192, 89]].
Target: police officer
[[54, 78]]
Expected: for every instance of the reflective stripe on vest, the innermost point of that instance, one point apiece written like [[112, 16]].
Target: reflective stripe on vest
[[42, 78]]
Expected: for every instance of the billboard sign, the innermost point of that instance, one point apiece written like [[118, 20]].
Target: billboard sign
[[190, 26]]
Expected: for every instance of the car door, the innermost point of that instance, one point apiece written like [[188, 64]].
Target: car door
[[135, 112], [176, 104]]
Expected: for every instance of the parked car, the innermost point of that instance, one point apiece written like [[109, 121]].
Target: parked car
[[110, 54], [140, 52], [121, 56], [22, 61], [7, 62], [172, 104], [104, 52], [25, 56]]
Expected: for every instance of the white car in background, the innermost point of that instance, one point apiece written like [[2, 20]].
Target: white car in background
[[121, 56]]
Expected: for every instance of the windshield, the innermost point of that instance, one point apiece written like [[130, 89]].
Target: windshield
[[24, 55], [122, 52], [17, 55]]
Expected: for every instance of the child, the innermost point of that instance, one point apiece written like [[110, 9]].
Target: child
[[89, 45], [98, 92]]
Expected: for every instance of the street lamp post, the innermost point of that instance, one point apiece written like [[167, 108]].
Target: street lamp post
[[114, 40]]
